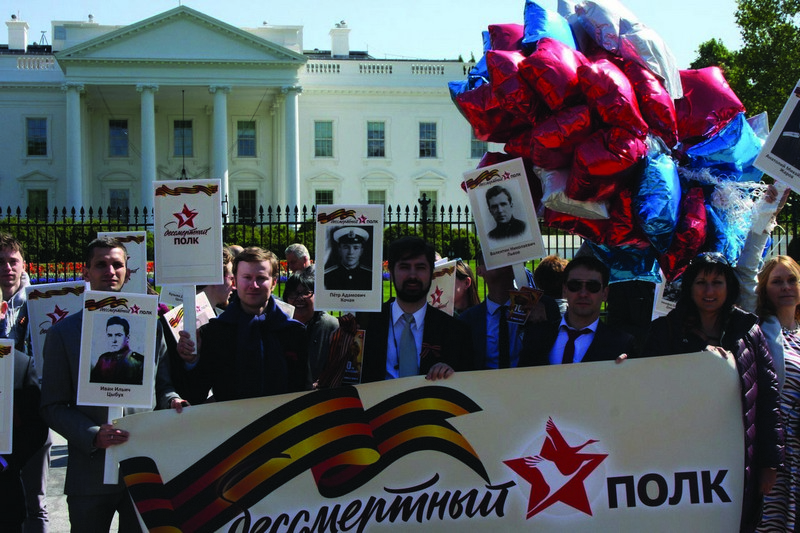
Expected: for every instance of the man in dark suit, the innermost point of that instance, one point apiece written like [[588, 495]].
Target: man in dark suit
[[438, 343], [92, 503], [495, 348], [580, 336]]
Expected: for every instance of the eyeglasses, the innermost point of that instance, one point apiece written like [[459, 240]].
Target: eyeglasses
[[299, 295], [592, 285]]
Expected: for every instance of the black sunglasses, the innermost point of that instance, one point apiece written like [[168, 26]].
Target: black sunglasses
[[592, 285]]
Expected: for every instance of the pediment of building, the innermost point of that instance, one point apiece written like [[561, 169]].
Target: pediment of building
[[180, 36]]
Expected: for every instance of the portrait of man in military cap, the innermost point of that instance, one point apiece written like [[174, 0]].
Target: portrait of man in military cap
[[347, 271]]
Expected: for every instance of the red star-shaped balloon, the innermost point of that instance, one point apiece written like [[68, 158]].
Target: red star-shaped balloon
[[436, 297], [57, 315], [569, 461], [185, 217]]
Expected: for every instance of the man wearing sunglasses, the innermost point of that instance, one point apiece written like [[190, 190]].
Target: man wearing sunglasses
[[580, 336]]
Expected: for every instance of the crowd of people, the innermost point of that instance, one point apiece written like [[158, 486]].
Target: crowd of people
[[261, 345]]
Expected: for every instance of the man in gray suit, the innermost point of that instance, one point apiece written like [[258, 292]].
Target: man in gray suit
[[91, 503]]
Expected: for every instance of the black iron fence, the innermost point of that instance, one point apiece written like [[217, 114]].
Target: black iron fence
[[54, 241]]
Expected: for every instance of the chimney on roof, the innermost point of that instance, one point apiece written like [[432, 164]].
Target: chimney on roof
[[17, 34], [340, 40]]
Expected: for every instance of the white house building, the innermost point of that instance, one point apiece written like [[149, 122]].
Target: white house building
[[104, 111]]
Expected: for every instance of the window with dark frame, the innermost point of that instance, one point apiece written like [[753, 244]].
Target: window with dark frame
[[246, 205], [427, 139], [118, 137], [433, 207], [118, 200], [37, 202], [376, 139], [323, 197], [477, 147], [377, 197], [246, 138], [323, 138], [36, 133], [183, 138]]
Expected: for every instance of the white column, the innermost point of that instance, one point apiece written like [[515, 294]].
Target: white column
[[148, 99], [292, 146], [75, 197], [219, 145]]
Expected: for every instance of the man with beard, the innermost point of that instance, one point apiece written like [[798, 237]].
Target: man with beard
[[119, 364], [408, 336]]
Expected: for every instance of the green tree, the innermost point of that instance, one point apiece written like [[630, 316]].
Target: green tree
[[764, 71], [768, 61]]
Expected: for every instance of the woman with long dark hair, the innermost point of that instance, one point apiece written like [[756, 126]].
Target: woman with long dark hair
[[705, 318]]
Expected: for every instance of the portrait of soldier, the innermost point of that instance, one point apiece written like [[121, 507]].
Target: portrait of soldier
[[501, 207], [349, 273], [119, 364]]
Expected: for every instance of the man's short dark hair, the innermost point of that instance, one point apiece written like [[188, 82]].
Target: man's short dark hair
[[407, 247], [9, 242], [590, 262], [254, 254], [295, 281], [102, 243], [497, 190], [117, 320]]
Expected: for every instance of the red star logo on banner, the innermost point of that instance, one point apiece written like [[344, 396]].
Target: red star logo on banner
[[57, 315], [362, 219], [185, 217], [436, 297], [569, 461], [135, 309]]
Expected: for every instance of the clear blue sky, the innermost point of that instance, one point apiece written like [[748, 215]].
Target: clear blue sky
[[417, 29]]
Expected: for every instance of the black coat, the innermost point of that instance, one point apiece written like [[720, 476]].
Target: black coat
[[763, 434], [449, 338]]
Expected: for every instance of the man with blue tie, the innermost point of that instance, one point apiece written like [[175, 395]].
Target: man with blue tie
[[409, 337], [580, 336]]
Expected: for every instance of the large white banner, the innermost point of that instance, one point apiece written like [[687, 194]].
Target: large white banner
[[647, 445]]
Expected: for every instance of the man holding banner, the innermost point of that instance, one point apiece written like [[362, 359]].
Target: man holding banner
[[92, 503], [581, 336], [409, 337], [268, 353]]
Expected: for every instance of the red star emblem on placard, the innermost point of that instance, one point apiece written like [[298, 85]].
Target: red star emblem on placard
[[185, 217], [569, 461], [506, 176], [362, 219], [135, 309], [436, 297], [57, 315]]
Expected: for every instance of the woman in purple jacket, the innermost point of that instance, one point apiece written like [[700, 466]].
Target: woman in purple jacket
[[705, 318]]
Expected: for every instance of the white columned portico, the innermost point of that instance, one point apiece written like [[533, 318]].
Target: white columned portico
[[148, 93], [75, 193], [292, 95], [219, 144]]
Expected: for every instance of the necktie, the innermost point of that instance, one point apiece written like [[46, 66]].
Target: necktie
[[504, 359], [407, 351], [569, 348]]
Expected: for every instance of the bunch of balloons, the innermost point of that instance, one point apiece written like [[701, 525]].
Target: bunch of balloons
[[648, 163]]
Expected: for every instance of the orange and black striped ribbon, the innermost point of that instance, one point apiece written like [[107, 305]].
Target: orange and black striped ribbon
[[37, 294], [194, 189], [111, 301], [327, 432]]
